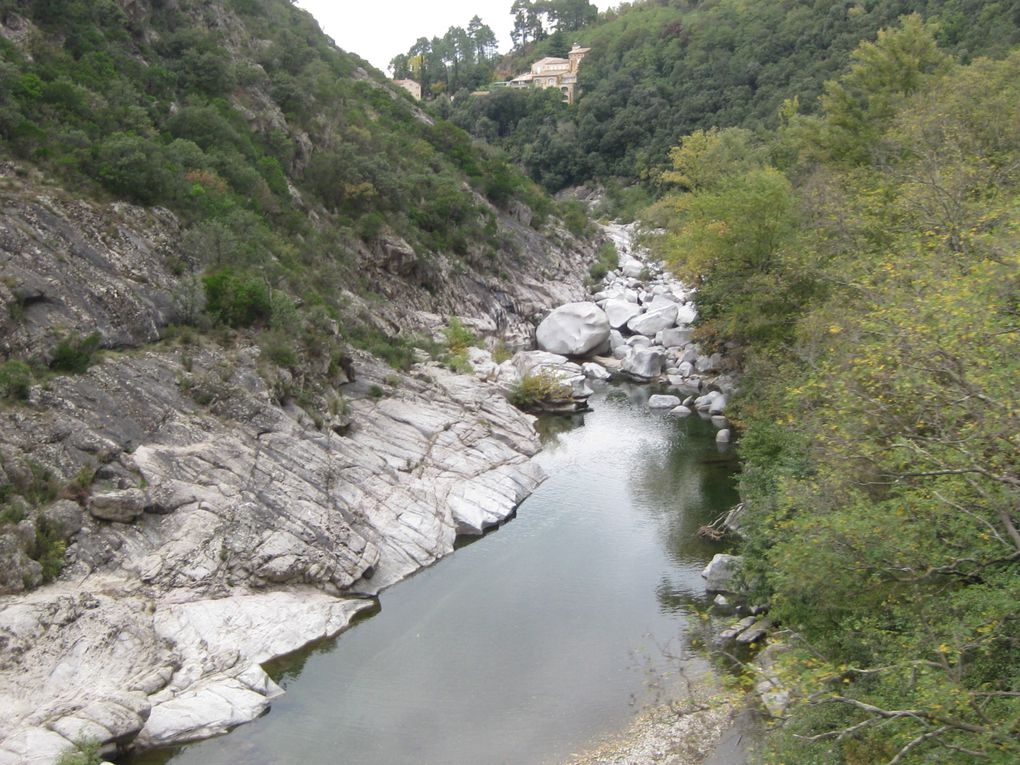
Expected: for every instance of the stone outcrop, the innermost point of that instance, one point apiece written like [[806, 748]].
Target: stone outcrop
[[266, 526]]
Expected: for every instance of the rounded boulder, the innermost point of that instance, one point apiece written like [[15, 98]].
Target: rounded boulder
[[574, 329]]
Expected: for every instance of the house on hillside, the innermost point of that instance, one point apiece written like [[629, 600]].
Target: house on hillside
[[552, 72]]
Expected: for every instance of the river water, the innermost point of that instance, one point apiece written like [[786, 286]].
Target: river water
[[529, 643]]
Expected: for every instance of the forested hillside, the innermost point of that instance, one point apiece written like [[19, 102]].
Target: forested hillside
[[660, 70], [243, 119], [866, 262], [198, 172]]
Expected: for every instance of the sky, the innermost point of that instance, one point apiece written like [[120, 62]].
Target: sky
[[378, 30]]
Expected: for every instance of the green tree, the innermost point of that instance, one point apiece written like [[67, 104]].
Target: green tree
[[859, 106]]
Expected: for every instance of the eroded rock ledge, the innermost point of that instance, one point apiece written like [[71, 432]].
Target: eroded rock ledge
[[258, 533]]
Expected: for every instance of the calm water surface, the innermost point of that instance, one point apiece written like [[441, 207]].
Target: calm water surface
[[529, 643]]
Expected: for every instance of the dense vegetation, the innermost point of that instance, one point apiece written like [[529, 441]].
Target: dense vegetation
[[283, 158], [661, 70], [866, 259]]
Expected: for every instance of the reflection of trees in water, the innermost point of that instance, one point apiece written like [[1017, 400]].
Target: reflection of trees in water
[[674, 598], [551, 427], [683, 486], [290, 666]]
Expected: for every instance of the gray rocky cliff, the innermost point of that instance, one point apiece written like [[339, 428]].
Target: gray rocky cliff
[[212, 523]]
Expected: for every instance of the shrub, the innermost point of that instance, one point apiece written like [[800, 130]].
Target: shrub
[[575, 217], [605, 260], [394, 351], [534, 390], [83, 753], [48, 549], [132, 167], [279, 348], [501, 353], [458, 362], [236, 298], [74, 354], [458, 337], [15, 380]]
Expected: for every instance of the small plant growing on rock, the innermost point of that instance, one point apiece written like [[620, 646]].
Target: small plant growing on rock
[[75, 354], [501, 353], [83, 753], [536, 390], [458, 339], [606, 259], [15, 380]]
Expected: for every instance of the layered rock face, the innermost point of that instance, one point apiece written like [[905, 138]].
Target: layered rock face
[[256, 525], [215, 527]]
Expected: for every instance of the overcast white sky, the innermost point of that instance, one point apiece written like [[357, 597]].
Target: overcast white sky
[[378, 30]]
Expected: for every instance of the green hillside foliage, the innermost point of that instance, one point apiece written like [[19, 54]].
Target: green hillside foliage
[[287, 161], [661, 70], [867, 260], [216, 110]]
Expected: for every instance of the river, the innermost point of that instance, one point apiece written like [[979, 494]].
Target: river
[[529, 643]]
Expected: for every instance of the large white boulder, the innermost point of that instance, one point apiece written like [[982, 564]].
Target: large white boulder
[[633, 268], [687, 314], [620, 312], [574, 329], [644, 363], [654, 321]]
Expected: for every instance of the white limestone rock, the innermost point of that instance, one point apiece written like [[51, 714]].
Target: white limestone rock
[[633, 268], [687, 314], [654, 321], [675, 337], [663, 402], [722, 572], [212, 708], [619, 312], [595, 371], [121, 506], [644, 363], [574, 329]]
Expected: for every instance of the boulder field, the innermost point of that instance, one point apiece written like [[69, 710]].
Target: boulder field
[[636, 326]]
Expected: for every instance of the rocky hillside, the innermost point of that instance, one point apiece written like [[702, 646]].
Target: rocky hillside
[[229, 260]]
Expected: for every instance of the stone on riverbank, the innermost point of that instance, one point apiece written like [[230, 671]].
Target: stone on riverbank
[[656, 320], [722, 573], [619, 312], [574, 329], [644, 364], [663, 402]]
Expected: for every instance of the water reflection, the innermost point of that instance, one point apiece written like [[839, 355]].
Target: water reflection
[[551, 428]]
